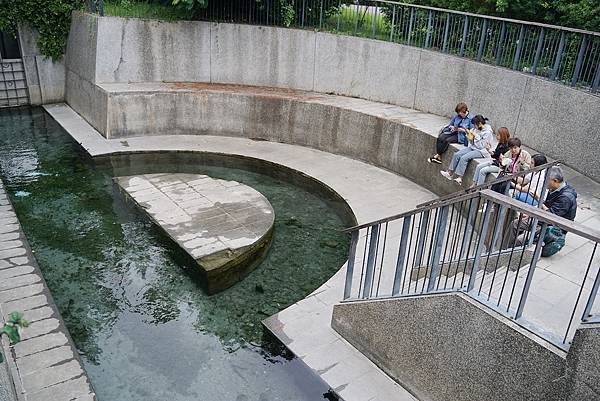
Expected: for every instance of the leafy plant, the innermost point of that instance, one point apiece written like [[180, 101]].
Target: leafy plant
[[51, 18], [11, 329]]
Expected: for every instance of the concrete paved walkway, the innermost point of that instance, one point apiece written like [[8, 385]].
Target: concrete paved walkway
[[45, 365]]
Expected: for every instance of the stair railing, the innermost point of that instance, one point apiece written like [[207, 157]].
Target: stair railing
[[489, 246]]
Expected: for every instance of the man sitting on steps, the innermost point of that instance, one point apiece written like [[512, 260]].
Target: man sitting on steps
[[561, 201]]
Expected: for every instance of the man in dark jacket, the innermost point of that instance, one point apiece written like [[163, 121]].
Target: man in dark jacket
[[561, 201], [562, 198]]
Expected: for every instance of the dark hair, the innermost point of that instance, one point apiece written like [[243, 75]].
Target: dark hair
[[539, 159], [504, 134], [514, 142], [462, 106], [478, 119]]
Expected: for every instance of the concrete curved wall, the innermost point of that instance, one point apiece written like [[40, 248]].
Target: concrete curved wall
[[549, 117]]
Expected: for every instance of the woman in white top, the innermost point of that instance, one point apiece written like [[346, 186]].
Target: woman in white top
[[529, 189]]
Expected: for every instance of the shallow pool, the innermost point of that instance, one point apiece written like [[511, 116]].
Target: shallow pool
[[145, 329]]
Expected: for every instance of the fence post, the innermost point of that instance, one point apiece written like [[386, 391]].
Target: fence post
[[321, 16], [440, 233], [482, 39], [371, 259], [538, 51], [559, 51], [529, 278], [464, 37], [401, 255], [500, 43], [517, 58], [410, 25], [479, 247], [446, 30], [593, 293], [597, 79], [580, 55], [350, 265], [393, 22], [428, 34]]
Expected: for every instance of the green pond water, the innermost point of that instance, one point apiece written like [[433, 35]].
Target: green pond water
[[144, 327]]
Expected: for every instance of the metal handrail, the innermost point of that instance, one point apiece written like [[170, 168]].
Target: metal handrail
[[543, 215], [473, 244], [510, 20], [451, 198], [417, 210]]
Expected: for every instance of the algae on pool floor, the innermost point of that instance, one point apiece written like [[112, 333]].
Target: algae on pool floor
[[145, 328]]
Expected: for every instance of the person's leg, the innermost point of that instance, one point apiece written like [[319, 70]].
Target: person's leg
[[444, 140], [456, 158], [465, 158], [489, 169], [477, 177]]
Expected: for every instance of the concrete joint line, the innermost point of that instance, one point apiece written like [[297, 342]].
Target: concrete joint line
[[521, 104], [417, 83]]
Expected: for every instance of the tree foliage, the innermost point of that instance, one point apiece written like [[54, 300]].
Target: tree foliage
[[51, 18], [11, 329]]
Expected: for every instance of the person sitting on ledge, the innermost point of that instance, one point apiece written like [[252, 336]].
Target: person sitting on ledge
[[492, 165], [480, 143], [561, 201], [528, 189], [454, 132]]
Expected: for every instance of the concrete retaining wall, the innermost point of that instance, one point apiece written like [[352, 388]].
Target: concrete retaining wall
[[549, 117], [45, 78], [448, 347]]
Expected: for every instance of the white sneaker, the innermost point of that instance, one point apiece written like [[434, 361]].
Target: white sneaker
[[446, 174], [458, 180]]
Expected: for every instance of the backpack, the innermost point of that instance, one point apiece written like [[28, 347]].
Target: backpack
[[554, 240]]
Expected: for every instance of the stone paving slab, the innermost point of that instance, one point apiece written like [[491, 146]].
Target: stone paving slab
[[45, 365], [223, 225]]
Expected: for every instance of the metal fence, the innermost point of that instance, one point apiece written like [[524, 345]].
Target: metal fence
[[488, 246], [569, 56]]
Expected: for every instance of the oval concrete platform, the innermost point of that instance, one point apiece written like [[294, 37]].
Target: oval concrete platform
[[225, 226]]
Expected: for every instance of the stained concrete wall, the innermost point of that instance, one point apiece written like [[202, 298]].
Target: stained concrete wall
[[448, 347], [45, 78], [397, 145], [549, 117]]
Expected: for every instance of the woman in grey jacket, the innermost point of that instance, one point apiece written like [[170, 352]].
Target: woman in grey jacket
[[480, 144]]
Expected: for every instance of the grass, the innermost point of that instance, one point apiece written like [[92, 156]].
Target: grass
[[347, 18], [143, 9]]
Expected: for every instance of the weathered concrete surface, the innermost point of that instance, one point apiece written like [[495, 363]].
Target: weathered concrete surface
[[494, 92], [260, 55], [448, 347], [365, 68], [45, 363], [225, 226], [130, 50], [583, 364], [136, 50], [45, 77]]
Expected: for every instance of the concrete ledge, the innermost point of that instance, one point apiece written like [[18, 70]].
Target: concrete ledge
[[449, 347], [392, 137]]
